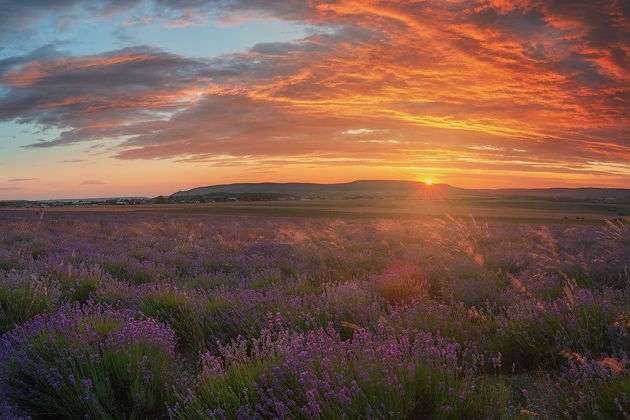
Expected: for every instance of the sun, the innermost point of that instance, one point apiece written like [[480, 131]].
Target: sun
[[428, 181]]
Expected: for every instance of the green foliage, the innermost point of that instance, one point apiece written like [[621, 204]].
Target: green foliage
[[179, 311], [187, 314], [8, 263], [70, 377], [227, 390], [604, 394], [80, 284], [526, 344], [22, 299]]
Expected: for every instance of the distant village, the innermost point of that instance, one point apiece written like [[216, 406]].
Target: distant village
[[74, 202], [129, 201]]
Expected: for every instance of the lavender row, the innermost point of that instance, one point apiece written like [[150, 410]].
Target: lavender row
[[154, 316]]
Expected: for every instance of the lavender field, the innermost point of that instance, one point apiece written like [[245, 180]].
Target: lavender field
[[148, 316]]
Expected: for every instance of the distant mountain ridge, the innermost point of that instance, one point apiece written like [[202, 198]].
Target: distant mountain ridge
[[381, 188], [396, 188]]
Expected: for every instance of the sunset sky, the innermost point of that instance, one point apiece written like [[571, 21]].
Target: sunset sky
[[140, 98]]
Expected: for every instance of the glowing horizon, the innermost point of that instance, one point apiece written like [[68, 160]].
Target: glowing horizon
[[147, 97]]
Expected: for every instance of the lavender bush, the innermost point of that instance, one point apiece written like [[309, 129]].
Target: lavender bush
[[89, 362], [106, 315]]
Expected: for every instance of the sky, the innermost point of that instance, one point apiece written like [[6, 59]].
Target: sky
[[148, 97]]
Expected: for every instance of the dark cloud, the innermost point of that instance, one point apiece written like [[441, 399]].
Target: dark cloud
[[99, 96], [21, 179], [518, 24], [46, 52], [583, 70], [19, 16]]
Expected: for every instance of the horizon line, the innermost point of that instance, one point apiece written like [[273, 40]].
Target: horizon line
[[432, 184]]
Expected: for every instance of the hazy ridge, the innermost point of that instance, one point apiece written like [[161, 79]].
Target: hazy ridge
[[394, 188]]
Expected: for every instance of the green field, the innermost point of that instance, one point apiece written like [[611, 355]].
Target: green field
[[492, 209], [517, 210]]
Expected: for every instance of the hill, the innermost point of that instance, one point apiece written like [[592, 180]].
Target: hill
[[407, 189], [355, 189]]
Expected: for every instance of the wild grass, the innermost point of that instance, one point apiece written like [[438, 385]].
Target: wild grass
[[403, 283], [22, 296], [80, 283], [154, 316]]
